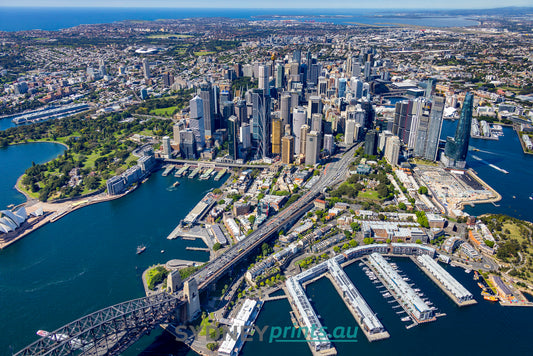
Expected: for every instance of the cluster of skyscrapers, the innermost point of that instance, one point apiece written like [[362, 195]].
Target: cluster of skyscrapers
[[294, 113], [299, 109]]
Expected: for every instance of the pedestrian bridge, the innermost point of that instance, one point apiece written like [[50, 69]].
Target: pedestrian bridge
[[109, 331]]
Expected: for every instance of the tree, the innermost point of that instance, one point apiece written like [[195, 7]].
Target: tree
[[217, 246], [251, 219], [402, 206], [423, 190]]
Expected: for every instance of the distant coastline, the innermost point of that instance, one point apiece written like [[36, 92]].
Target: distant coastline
[[13, 19]]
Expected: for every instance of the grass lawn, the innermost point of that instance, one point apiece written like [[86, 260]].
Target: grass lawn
[[164, 111], [27, 191], [369, 194], [203, 53]]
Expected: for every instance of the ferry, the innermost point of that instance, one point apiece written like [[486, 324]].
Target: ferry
[[141, 249], [492, 298]]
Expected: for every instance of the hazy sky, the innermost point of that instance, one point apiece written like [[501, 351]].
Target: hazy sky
[[393, 4]]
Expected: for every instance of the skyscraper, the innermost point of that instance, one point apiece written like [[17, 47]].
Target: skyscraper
[[176, 128], [349, 132], [233, 140], [245, 136], [435, 127], [146, 68], [206, 94], [314, 106], [312, 148], [402, 120], [280, 71], [276, 136], [456, 148], [298, 120], [371, 143], [285, 108], [392, 150], [187, 144], [261, 122], [303, 138], [342, 88], [329, 143], [287, 145], [167, 149], [263, 77], [196, 120]]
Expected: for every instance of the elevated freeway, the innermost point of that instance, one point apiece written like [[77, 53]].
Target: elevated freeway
[[112, 330], [333, 173]]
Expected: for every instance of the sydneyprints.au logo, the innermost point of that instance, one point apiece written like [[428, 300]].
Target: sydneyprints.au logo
[[268, 333]]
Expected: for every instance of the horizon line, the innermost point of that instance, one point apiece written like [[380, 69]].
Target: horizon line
[[140, 6]]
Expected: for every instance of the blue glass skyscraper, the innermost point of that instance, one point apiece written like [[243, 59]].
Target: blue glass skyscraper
[[456, 147]]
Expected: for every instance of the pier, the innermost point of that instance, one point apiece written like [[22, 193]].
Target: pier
[[168, 169], [400, 290], [361, 311], [182, 171], [449, 285], [318, 341]]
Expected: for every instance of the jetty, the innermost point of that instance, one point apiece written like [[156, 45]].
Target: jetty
[[182, 171], [194, 173], [220, 174], [168, 169]]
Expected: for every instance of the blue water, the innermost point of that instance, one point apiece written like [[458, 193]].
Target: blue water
[[15, 159], [87, 260], [506, 153], [19, 19]]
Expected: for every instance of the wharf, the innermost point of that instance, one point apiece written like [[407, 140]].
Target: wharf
[[395, 296], [441, 286], [206, 174], [192, 248], [194, 173], [299, 318], [220, 174], [371, 337], [167, 170], [182, 171]]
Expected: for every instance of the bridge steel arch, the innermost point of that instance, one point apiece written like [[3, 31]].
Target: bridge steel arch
[[107, 331]]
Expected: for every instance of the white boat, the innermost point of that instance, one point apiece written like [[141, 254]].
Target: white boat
[[406, 318]]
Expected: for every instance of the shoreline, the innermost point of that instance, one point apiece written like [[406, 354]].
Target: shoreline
[[497, 196], [57, 212]]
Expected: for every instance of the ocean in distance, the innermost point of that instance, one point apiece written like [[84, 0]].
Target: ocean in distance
[[51, 19]]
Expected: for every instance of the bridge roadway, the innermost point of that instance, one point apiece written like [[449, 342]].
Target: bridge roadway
[[333, 173], [112, 330]]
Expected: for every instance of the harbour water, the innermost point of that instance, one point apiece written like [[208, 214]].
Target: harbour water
[[15, 159], [506, 153], [20, 19], [463, 331], [86, 260]]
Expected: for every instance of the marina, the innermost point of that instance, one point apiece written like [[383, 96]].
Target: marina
[[361, 311], [408, 299], [449, 285]]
